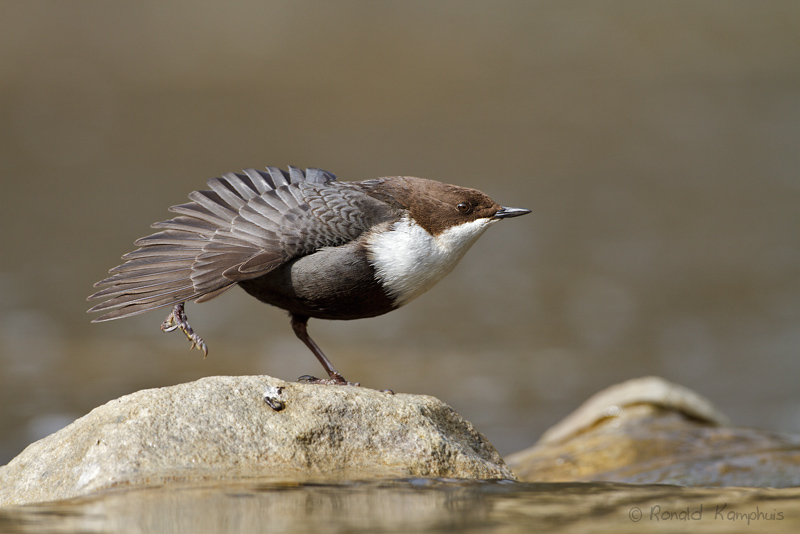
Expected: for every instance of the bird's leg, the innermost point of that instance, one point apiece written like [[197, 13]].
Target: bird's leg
[[177, 320], [299, 325]]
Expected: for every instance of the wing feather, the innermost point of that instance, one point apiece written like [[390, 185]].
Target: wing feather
[[243, 227], [231, 195], [277, 177], [254, 179]]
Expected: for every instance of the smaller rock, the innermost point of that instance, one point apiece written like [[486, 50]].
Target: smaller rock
[[649, 431], [229, 428], [273, 396]]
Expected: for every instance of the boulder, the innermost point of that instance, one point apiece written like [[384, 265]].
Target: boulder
[[649, 431], [229, 428]]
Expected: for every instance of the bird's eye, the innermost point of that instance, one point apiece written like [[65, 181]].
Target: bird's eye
[[465, 208]]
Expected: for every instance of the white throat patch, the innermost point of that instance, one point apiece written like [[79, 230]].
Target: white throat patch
[[408, 260]]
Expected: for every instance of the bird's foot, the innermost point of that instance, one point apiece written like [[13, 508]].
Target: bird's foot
[[177, 320], [334, 380]]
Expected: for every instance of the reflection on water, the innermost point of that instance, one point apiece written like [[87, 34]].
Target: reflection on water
[[414, 505]]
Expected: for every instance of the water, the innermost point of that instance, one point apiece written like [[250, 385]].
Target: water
[[414, 505]]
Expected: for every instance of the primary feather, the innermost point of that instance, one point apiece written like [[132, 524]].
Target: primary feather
[[245, 226]]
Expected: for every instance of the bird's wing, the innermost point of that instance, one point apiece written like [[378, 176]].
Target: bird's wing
[[246, 226]]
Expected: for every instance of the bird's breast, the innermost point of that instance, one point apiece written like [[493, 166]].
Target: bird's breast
[[408, 260]]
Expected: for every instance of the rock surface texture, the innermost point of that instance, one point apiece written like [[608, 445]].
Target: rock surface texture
[[650, 431], [236, 427]]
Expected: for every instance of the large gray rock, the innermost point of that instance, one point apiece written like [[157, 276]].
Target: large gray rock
[[222, 428], [648, 431]]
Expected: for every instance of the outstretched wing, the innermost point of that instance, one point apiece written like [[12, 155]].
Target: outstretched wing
[[246, 226]]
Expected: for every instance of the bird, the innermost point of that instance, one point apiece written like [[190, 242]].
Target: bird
[[302, 241]]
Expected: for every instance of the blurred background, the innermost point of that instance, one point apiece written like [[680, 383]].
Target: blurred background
[[657, 143]]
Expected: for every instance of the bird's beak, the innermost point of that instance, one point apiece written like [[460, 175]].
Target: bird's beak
[[504, 213]]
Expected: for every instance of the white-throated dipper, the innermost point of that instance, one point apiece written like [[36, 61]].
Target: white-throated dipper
[[303, 242]]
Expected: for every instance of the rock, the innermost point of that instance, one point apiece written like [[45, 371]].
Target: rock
[[228, 428], [648, 391], [649, 431]]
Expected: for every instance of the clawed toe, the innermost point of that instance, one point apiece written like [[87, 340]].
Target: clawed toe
[[177, 320], [334, 380]]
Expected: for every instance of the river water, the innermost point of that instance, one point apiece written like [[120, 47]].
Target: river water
[[415, 505]]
